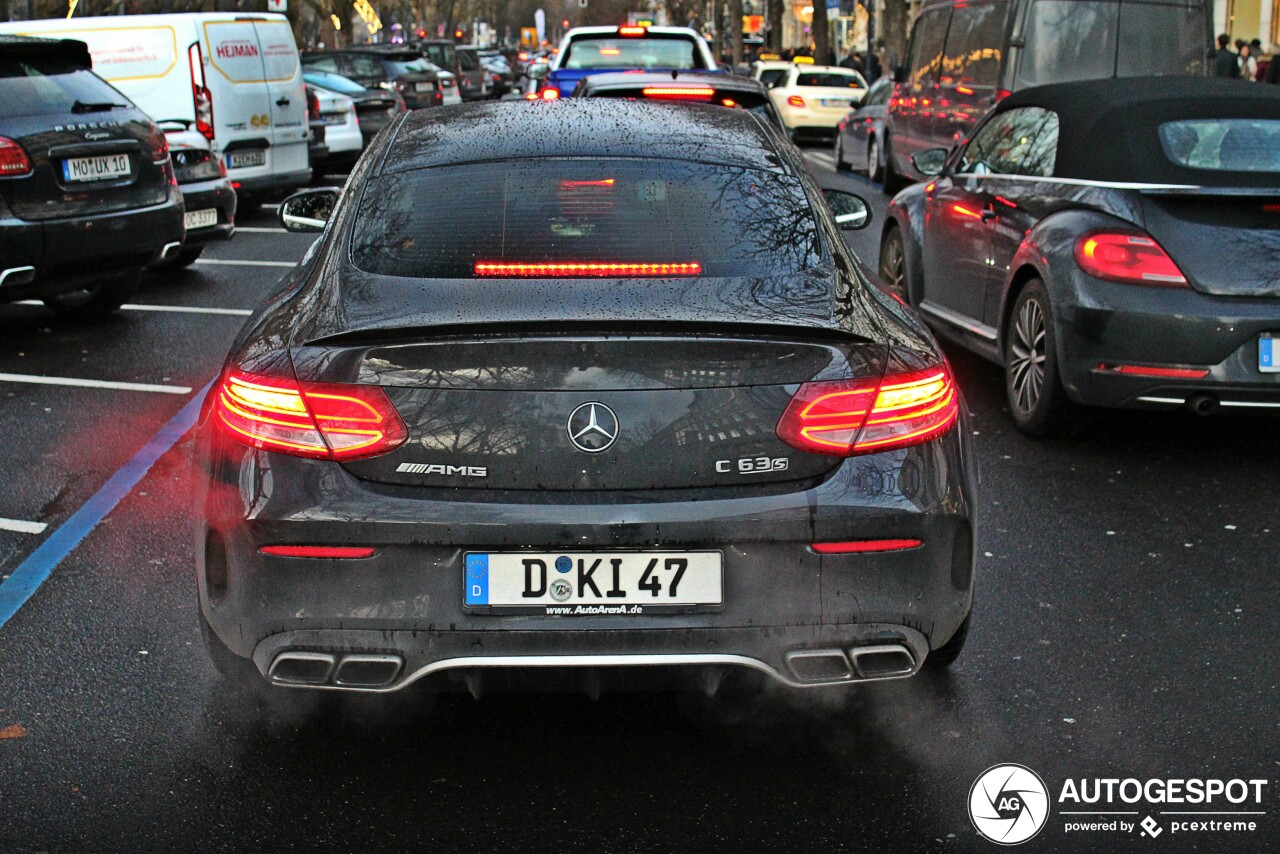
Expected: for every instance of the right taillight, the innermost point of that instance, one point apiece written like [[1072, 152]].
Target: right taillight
[[1127, 256], [201, 97], [849, 417], [330, 421], [313, 105], [14, 162]]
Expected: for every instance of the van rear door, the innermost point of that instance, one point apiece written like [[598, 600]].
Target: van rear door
[[286, 94], [242, 109]]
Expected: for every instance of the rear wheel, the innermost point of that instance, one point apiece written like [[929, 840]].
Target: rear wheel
[[893, 264], [893, 182], [946, 655], [841, 165], [1033, 385], [99, 299], [874, 170]]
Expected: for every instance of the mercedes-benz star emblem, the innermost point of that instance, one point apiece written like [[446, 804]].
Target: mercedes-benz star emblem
[[592, 427]]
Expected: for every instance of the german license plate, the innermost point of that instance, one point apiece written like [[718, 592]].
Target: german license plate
[[1269, 353], [594, 583], [243, 159], [833, 102], [201, 219], [333, 118], [104, 167], [422, 87]]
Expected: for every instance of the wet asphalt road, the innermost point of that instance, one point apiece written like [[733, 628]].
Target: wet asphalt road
[[1124, 627]]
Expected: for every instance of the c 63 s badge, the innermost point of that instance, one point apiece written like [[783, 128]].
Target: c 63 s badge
[[752, 465], [447, 471]]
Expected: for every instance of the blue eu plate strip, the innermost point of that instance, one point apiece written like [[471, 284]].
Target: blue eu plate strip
[[477, 580], [1266, 352], [39, 565]]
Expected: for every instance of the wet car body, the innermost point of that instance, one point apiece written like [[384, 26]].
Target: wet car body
[[66, 232], [375, 108], [393, 68], [860, 135], [1188, 325], [722, 89], [489, 376]]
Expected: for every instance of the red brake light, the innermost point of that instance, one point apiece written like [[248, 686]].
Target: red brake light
[[522, 56], [318, 551], [13, 159], [1001, 94], [1154, 371], [201, 97], [329, 421], [580, 269], [850, 417], [1127, 256], [864, 546], [729, 102], [159, 145], [532, 96], [679, 93], [796, 101], [550, 94], [632, 32]]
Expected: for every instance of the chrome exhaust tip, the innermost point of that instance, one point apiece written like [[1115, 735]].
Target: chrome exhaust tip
[[170, 250], [301, 668], [17, 276], [817, 666], [886, 661], [368, 671]]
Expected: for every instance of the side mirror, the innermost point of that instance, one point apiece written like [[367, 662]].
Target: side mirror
[[930, 161], [852, 212], [308, 210]]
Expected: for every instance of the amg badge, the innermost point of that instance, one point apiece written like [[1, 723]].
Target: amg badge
[[458, 471]]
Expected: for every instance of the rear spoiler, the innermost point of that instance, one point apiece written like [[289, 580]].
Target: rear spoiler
[[1179, 190]]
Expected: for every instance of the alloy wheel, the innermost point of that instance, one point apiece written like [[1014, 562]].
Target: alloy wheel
[[1027, 354], [893, 267], [873, 158]]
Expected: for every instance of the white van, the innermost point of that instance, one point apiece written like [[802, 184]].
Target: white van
[[236, 76]]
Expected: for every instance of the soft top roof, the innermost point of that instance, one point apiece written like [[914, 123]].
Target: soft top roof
[[68, 50], [579, 127], [1109, 129]]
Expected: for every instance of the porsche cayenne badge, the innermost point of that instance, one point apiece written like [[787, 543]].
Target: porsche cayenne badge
[[593, 427]]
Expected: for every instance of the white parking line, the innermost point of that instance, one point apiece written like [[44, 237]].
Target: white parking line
[[822, 156], [177, 309], [230, 263], [79, 383], [259, 230], [22, 527]]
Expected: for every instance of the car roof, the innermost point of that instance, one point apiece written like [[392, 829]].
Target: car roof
[[68, 50], [630, 79], [1109, 129], [613, 30], [579, 127]]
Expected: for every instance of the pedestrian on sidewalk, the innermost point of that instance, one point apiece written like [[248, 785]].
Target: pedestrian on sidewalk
[[1248, 64], [1225, 61]]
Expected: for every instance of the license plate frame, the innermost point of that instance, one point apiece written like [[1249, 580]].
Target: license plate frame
[[246, 159], [92, 170], [1269, 353], [200, 219], [495, 583]]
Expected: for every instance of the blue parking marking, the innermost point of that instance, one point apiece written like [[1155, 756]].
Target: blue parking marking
[[477, 579], [40, 564]]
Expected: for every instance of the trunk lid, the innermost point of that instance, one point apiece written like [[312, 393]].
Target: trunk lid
[[1227, 244], [646, 411]]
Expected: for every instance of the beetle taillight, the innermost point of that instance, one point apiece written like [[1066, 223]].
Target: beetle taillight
[[1127, 256]]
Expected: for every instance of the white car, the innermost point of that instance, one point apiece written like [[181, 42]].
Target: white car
[[770, 72], [814, 98], [341, 129], [449, 88]]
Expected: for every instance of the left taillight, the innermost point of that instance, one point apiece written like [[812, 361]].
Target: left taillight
[[796, 101], [330, 421], [1131, 257], [850, 417], [14, 162], [201, 97], [159, 145]]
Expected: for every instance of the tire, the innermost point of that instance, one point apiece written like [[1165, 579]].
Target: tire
[[239, 673], [946, 655], [841, 165], [893, 264], [184, 258], [1033, 385], [874, 170], [97, 300]]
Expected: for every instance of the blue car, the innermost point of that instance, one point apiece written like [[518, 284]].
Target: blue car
[[595, 50]]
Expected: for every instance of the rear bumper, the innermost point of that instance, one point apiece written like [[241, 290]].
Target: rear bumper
[[1106, 324], [211, 194], [273, 185], [67, 254], [780, 597]]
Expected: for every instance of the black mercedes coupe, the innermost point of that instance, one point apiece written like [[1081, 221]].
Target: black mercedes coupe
[[555, 394], [1114, 243]]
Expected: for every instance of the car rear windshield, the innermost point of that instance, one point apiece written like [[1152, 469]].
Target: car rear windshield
[[333, 82], [443, 55], [652, 51], [33, 86], [1227, 145], [443, 222], [829, 79], [406, 65]]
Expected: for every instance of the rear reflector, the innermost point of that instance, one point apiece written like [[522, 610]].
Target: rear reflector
[[13, 159], [328, 421], [318, 551], [571, 269], [1154, 371], [863, 546], [679, 93], [1127, 256], [849, 417]]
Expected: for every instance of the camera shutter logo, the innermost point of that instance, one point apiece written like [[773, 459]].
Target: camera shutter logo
[[1009, 804]]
